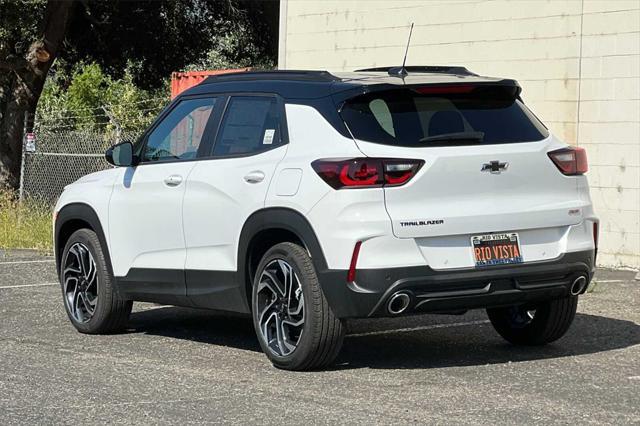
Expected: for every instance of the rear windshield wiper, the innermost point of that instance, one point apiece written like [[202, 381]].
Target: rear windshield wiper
[[458, 136]]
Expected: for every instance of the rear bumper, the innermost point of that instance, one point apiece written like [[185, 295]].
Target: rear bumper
[[462, 289]]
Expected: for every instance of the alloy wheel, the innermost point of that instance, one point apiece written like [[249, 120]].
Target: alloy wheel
[[80, 283], [280, 307]]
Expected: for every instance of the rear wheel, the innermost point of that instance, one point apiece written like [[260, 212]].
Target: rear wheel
[[295, 325], [89, 295], [535, 324]]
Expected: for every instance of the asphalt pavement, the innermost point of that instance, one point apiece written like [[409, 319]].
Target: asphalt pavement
[[176, 365]]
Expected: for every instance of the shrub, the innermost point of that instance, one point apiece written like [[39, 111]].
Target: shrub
[[90, 99]]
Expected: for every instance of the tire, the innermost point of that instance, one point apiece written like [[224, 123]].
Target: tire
[[318, 340], [550, 321], [89, 294]]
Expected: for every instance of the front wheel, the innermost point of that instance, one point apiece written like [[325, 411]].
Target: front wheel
[[88, 290], [536, 324], [295, 325]]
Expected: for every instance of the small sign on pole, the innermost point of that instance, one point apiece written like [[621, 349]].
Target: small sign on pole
[[30, 144]]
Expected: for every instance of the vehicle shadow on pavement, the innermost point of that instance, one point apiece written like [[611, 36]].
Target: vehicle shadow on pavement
[[481, 345], [199, 325], [422, 348]]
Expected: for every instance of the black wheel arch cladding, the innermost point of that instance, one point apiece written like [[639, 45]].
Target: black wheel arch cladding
[[69, 219], [274, 219]]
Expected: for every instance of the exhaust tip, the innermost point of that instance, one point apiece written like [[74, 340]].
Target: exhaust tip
[[398, 303], [578, 285]]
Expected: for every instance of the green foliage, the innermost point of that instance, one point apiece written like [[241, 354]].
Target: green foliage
[[167, 36], [24, 225], [131, 107], [89, 99], [18, 24], [236, 46], [86, 95], [113, 71]]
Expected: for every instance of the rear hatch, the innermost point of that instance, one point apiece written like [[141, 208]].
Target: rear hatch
[[485, 170]]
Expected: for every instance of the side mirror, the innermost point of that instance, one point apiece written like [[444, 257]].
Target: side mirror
[[120, 155]]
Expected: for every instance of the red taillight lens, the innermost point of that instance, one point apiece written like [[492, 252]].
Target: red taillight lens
[[366, 172], [570, 161]]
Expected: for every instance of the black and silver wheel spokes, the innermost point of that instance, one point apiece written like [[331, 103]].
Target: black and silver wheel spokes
[[80, 283], [280, 307]]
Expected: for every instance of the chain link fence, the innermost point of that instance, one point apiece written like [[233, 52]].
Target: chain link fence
[[56, 153], [58, 160], [54, 157]]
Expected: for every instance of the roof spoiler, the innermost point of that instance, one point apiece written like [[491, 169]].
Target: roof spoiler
[[433, 69], [506, 88]]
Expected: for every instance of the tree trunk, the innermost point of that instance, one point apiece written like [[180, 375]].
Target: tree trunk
[[21, 83]]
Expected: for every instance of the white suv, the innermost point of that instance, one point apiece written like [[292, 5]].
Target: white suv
[[305, 198]]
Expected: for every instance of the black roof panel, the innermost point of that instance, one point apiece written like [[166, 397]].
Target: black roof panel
[[290, 75], [303, 84]]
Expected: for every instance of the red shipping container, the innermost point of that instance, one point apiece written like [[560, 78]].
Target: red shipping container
[[181, 81]]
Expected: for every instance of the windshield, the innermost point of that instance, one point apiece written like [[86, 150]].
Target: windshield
[[406, 117]]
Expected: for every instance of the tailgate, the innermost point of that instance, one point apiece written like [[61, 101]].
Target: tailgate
[[486, 166], [451, 194]]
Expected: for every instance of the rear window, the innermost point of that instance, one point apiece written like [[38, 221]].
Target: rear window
[[407, 117]]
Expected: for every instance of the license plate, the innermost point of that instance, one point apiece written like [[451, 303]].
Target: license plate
[[496, 249]]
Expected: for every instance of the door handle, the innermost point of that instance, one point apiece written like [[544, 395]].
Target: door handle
[[173, 180], [254, 177]]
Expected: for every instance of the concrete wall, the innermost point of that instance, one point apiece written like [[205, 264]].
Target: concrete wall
[[578, 62]]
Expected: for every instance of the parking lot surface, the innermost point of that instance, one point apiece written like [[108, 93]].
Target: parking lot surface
[[176, 365]]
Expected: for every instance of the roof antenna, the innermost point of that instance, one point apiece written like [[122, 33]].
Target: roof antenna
[[402, 71]]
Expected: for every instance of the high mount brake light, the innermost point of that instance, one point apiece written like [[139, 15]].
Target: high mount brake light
[[446, 89], [366, 172], [570, 161], [488, 91]]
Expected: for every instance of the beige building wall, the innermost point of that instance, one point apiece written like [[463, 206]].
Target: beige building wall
[[578, 62]]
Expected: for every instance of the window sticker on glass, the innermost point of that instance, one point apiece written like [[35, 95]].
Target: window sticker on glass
[[268, 136]]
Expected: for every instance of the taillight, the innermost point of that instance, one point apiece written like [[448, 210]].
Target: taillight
[[366, 172], [570, 161]]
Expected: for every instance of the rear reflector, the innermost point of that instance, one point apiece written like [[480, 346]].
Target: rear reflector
[[366, 172], [351, 275], [570, 161], [595, 240]]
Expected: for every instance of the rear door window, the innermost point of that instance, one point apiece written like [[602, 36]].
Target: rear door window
[[406, 117], [251, 124]]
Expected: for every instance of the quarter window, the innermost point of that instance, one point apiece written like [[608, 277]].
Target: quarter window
[[250, 125], [180, 133]]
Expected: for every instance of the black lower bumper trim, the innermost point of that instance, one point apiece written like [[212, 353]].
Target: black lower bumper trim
[[434, 291]]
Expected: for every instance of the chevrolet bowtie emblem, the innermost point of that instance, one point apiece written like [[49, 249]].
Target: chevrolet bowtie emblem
[[494, 167]]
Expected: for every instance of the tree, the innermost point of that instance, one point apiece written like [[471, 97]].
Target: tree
[[90, 99], [26, 54], [167, 36], [158, 36]]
